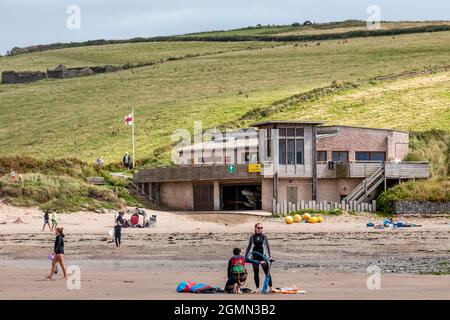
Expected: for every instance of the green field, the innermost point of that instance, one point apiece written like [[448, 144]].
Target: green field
[[83, 117], [324, 28], [119, 54]]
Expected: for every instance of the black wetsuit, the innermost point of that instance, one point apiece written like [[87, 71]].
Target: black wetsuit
[[117, 234], [46, 218], [59, 244], [259, 241]]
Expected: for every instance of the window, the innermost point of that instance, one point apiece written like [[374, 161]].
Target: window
[[290, 151], [321, 156], [370, 156], [291, 147], [299, 150], [340, 156], [269, 142], [282, 151], [291, 194], [290, 132], [299, 132], [362, 156], [377, 156]]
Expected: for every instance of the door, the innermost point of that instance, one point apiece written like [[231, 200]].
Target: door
[[204, 197], [292, 194]]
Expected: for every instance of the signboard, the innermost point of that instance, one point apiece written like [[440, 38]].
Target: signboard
[[254, 167], [231, 168]]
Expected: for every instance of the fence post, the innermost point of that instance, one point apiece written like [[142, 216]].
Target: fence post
[[374, 205]]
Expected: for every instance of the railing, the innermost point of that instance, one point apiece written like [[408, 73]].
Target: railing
[[363, 169], [284, 207], [354, 169], [195, 173]]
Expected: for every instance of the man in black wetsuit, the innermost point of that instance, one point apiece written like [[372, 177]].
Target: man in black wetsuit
[[258, 241]]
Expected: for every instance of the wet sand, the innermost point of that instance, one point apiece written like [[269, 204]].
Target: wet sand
[[328, 260]]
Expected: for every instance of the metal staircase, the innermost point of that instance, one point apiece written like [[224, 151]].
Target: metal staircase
[[366, 187]]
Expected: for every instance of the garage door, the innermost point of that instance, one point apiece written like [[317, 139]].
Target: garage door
[[204, 197]]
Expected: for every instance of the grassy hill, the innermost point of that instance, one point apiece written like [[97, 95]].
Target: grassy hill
[[218, 83]]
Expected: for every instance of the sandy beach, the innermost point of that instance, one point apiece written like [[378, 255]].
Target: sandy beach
[[328, 260]]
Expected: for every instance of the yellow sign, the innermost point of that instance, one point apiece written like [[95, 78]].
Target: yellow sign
[[254, 167]]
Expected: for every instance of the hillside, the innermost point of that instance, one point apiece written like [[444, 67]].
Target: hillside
[[219, 83]]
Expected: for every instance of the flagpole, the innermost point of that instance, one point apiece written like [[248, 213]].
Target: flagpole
[[134, 119]]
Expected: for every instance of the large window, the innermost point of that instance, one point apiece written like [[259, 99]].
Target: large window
[[299, 149], [291, 146], [282, 150], [290, 151], [321, 156], [370, 156], [340, 156]]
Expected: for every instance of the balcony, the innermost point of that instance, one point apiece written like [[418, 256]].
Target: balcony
[[195, 173], [363, 169]]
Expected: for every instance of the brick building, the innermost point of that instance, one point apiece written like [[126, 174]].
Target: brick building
[[283, 164]]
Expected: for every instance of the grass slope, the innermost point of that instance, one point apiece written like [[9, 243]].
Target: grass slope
[[83, 117], [118, 54]]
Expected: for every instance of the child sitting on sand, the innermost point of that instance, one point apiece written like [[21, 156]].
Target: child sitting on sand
[[236, 272]]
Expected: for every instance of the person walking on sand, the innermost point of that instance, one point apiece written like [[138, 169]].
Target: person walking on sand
[[117, 233], [54, 219], [59, 253], [47, 220], [259, 242]]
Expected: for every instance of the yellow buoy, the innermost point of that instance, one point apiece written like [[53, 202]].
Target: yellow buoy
[[306, 216], [297, 218], [313, 220], [289, 219]]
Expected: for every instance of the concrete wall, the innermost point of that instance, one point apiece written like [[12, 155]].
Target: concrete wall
[[176, 195], [394, 143], [304, 188], [267, 194], [332, 189]]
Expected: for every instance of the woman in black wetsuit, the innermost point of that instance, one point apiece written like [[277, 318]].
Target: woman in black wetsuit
[[258, 241]]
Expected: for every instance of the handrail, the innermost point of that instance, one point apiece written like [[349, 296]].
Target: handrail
[[143, 192]]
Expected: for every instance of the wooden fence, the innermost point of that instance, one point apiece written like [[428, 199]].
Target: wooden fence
[[285, 207]]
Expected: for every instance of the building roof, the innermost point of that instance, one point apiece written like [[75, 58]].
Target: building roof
[[365, 128], [292, 122]]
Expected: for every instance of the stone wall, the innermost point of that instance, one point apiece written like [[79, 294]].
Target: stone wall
[[427, 207], [61, 72], [22, 77]]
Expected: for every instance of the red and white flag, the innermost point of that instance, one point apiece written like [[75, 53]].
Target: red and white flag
[[129, 119]]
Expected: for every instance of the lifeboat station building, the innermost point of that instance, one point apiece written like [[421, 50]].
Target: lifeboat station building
[[279, 166]]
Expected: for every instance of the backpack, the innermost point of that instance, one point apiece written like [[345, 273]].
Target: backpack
[[237, 264]]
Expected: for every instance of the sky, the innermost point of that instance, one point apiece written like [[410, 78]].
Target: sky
[[30, 22]]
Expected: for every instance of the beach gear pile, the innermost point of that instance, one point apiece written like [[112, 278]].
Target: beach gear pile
[[192, 287], [304, 218], [390, 224]]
